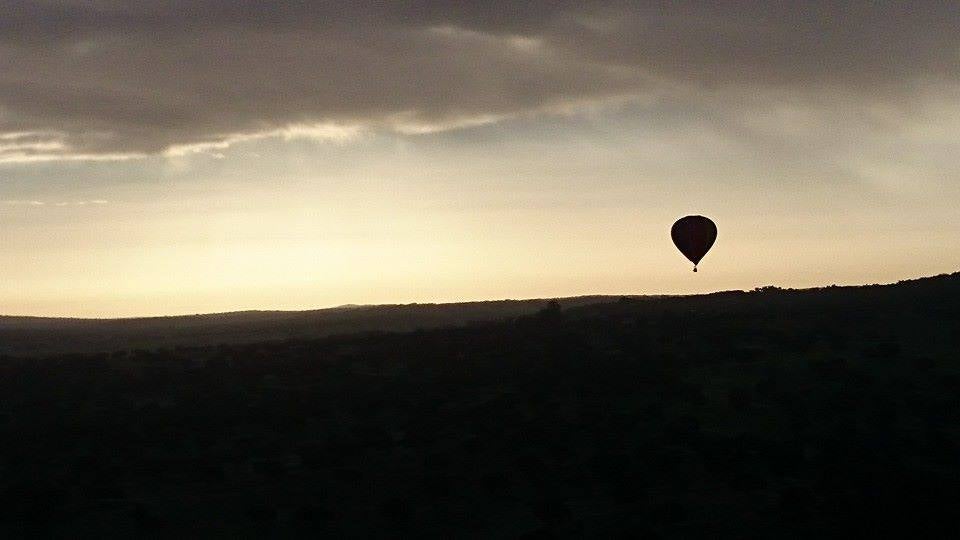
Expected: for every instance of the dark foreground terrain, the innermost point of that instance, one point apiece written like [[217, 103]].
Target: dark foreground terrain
[[771, 413]]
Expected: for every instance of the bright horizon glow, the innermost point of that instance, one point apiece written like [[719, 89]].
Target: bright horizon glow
[[292, 307]]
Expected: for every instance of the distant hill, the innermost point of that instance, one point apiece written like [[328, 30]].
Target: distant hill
[[772, 413], [33, 336], [37, 336]]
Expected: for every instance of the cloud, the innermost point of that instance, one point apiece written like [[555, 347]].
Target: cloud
[[16, 202], [106, 80], [321, 132], [23, 203]]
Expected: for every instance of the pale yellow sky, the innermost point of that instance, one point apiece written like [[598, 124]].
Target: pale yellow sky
[[543, 207]]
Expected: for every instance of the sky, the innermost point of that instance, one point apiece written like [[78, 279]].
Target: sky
[[164, 157]]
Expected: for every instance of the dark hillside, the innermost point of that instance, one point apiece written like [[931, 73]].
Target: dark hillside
[[772, 413], [35, 336]]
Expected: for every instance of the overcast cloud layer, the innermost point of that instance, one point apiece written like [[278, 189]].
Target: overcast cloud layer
[[121, 79]]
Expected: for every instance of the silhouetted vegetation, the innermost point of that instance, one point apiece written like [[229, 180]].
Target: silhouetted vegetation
[[772, 413]]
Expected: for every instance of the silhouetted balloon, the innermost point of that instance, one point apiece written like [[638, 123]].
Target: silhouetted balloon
[[694, 236]]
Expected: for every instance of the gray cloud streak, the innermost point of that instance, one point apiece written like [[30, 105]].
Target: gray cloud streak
[[106, 79]]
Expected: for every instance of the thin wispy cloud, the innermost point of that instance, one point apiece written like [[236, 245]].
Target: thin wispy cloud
[[319, 132], [47, 146], [16, 202]]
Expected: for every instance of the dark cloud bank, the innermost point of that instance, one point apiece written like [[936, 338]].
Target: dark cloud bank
[[106, 78]]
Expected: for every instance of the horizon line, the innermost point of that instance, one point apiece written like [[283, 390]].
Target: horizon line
[[472, 301]]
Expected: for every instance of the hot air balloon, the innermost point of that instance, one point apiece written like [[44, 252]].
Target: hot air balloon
[[694, 236]]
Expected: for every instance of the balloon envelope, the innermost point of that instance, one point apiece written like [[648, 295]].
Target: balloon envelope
[[694, 236]]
